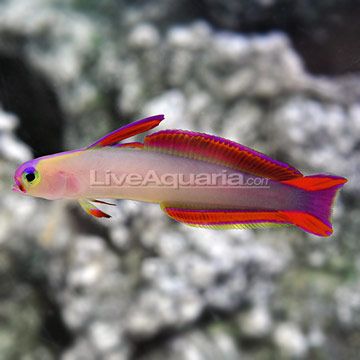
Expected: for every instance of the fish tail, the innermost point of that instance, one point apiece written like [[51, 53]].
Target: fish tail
[[316, 203]]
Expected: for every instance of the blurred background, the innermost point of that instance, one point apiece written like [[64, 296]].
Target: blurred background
[[281, 76]]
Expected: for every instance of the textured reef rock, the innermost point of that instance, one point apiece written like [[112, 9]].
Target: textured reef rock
[[140, 286]]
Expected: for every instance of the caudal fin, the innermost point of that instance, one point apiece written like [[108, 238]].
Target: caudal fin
[[317, 203]]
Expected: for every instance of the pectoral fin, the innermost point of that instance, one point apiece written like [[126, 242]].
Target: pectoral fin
[[91, 209]]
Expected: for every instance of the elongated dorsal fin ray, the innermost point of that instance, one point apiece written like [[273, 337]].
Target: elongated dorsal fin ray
[[127, 131], [220, 151]]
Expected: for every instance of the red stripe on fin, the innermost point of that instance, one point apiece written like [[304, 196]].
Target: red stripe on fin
[[127, 131], [309, 223], [225, 219], [99, 214], [220, 151], [316, 182]]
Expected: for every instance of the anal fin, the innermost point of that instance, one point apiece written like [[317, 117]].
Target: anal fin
[[222, 219], [225, 218]]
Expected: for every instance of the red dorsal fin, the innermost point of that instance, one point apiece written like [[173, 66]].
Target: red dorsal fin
[[127, 131], [220, 151]]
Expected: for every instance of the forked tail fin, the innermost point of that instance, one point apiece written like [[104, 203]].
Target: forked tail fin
[[318, 200]]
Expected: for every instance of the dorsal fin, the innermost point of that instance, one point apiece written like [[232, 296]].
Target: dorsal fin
[[127, 131], [220, 151]]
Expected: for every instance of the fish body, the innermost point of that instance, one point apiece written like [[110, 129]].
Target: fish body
[[198, 179], [113, 168]]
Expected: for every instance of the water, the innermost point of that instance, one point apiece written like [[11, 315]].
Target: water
[[277, 76]]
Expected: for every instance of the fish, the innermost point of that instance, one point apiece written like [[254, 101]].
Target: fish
[[197, 179]]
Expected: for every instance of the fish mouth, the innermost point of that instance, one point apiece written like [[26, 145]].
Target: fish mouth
[[18, 187]]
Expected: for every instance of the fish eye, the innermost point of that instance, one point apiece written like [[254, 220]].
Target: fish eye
[[31, 176]]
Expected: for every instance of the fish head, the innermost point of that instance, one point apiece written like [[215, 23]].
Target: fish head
[[45, 178]]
